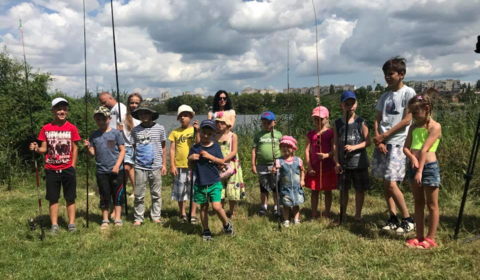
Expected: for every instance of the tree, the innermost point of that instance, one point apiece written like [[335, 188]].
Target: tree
[[331, 90], [379, 88], [369, 88], [478, 85]]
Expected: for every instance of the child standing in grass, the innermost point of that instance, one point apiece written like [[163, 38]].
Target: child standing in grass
[[181, 140], [108, 147], [148, 140], [234, 189], [356, 164], [59, 143], [291, 180], [262, 159], [319, 152], [424, 173], [204, 158]]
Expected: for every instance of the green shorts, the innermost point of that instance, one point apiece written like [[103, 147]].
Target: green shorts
[[208, 193]]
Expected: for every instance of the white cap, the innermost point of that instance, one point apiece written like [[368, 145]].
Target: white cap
[[185, 108], [58, 100]]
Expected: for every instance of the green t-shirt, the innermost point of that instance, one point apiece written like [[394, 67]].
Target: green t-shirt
[[262, 142]]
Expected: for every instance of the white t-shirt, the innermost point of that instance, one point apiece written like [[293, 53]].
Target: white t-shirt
[[114, 115], [393, 106], [127, 135]]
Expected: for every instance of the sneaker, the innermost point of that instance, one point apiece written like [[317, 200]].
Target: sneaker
[[296, 221], [54, 229], [286, 223], [262, 212], [207, 235], [228, 229], [276, 213], [72, 228], [392, 224], [405, 227]]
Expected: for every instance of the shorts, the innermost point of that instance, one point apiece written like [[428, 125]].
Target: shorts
[[208, 193], [329, 180], [430, 174], [359, 177], [129, 155], [267, 180], [110, 187], [390, 167], [56, 179], [181, 185]]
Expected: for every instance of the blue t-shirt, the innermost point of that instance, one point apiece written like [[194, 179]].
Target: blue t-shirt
[[148, 146], [206, 172], [106, 146]]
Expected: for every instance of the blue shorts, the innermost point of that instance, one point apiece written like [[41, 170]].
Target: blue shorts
[[430, 174], [129, 155]]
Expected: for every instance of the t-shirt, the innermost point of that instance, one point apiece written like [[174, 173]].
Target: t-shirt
[[114, 114], [148, 146], [393, 105], [278, 164], [107, 149], [326, 138], [206, 172], [262, 142], [127, 134], [358, 158], [59, 144], [183, 138]]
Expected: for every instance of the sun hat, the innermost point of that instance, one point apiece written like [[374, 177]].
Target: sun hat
[[321, 112], [103, 111], [58, 100], [155, 115], [185, 108], [223, 117], [290, 141]]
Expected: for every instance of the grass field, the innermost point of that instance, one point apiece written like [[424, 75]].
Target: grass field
[[258, 251]]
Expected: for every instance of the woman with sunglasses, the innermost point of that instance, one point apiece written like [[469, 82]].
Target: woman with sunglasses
[[321, 175], [222, 103]]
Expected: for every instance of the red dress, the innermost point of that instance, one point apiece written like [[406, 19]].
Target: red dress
[[328, 174]]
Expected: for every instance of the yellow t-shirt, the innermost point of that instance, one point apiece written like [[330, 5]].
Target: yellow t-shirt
[[183, 138]]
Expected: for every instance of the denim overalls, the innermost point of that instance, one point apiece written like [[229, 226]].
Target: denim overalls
[[291, 194]]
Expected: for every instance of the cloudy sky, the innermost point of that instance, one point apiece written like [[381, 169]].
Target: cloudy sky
[[205, 45]]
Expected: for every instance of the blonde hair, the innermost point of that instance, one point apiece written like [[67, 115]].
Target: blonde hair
[[422, 101], [128, 117]]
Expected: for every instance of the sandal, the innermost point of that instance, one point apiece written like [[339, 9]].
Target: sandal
[[182, 219], [105, 225], [428, 243], [412, 243], [194, 220], [327, 215], [118, 223]]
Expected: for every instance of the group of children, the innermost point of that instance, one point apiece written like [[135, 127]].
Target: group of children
[[206, 155]]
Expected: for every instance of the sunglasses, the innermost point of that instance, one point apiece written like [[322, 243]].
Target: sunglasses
[[222, 98]]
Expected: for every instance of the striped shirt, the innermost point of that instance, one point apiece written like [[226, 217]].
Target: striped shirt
[[148, 146]]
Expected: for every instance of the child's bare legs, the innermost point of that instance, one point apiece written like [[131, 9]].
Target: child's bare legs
[[359, 200], [314, 201], [204, 215], [181, 207], [105, 213], [194, 209], [296, 212], [118, 213], [419, 199], [432, 204], [346, 196], [328, 202], [263, 199], [217, 207], [394, 197], [131, 175], [232, 204], [286, 213], [70, 211], [53, 208]]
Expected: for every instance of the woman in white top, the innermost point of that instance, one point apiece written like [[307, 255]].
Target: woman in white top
[[222, 103]]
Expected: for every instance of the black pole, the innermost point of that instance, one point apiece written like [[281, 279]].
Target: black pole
[[468, 177], [119, 107], [344, 171], [42, 236], [191, 180], [86, 99], [274, 180]]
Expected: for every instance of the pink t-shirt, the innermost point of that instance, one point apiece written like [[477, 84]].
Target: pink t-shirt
[[59, 144], [326, 138], [300, 162]]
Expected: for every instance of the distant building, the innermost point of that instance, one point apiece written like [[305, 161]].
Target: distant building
[[187, 93], [250, 90]]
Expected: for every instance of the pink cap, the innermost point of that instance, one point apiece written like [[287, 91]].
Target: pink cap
[[290, 141], [321, 112]]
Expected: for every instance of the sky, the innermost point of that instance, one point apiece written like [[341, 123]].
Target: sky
[[202, 46]]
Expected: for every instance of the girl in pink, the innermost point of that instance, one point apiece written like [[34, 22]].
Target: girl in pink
[[321, 174]]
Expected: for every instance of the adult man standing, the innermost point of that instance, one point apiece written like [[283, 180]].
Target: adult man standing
[[107, 100]]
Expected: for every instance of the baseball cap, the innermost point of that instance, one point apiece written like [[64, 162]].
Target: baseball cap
[[268, 115], [185, 108], [155, 115], [103, 111], [347, 95], [58, 100], [321, 112], [208, 123]]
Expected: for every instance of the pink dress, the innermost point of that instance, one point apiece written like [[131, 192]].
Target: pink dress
[[328, 174]]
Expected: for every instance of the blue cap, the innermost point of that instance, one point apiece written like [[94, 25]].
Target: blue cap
[[347, 95], [208, 123], [268, 115]]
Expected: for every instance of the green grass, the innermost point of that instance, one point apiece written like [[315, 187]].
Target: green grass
[[258, 251]]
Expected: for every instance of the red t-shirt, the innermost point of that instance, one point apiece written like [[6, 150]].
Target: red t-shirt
[[59, 144], [326, 138]]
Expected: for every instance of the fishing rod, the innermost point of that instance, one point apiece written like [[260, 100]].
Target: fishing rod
[[275, 181], [344, 171], [86, 98], [288, 85], [319, 135], [31, 221], [191, 180]]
